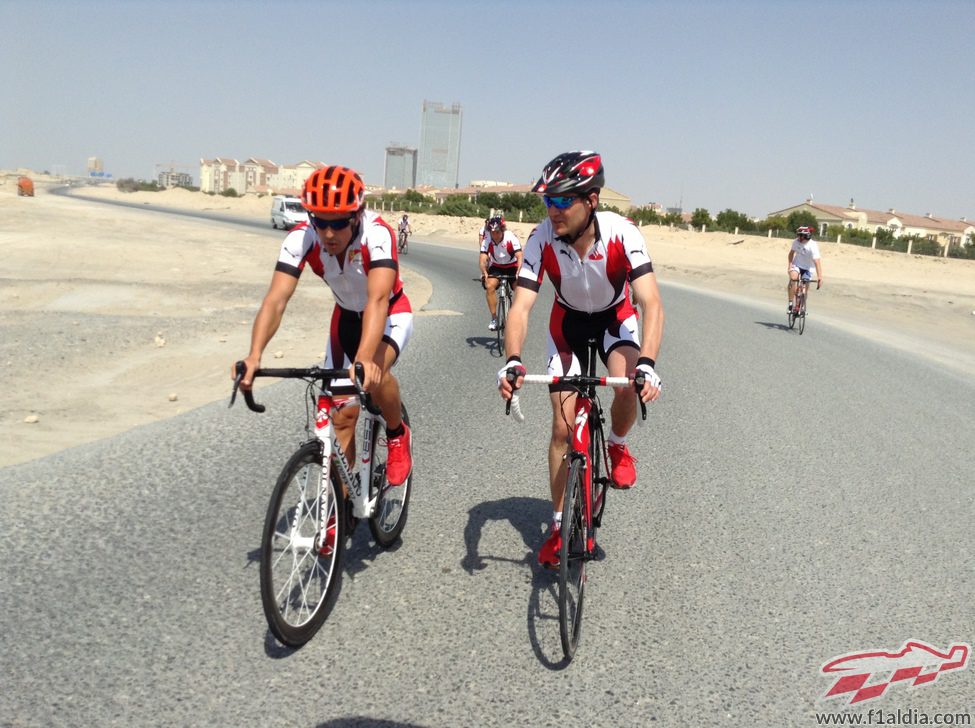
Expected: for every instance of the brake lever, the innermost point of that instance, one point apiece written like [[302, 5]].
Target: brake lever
[[240, 368], [639, 379], [360, 378], [512, 378]]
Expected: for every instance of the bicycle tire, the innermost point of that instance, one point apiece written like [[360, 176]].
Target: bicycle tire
[[392, 506], [572, 560], [502, 317], [300, 577], [801, 315], [598, 458]]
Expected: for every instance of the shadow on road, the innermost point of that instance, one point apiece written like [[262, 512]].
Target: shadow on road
[[527, 516], [770, 325], [361, 721], [487, 342]]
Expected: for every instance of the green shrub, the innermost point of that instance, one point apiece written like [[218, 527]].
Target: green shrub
[[129, 184]]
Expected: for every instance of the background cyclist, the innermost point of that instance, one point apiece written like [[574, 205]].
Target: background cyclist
[[500, 255], [483, 232], [803, 256], [592, 259], [354, 251], [404, 225]]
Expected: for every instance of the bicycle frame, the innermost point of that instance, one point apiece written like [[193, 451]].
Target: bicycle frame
[[363, 506], [587, 450], [581, 442]]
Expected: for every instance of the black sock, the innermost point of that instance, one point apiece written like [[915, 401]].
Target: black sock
[[395, 433]]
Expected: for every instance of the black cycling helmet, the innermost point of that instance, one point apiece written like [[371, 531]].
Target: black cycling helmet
[[495, 223], [572, 173]]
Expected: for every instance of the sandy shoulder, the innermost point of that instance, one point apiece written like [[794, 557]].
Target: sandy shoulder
[[105, 319], [107, 323]]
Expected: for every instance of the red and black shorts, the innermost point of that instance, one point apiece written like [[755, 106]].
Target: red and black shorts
[[569, 333]]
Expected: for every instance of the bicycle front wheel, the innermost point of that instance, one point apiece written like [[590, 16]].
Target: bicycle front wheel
[[801, 316], [502, 318], [572, 560], [301, 561], [389, 518]]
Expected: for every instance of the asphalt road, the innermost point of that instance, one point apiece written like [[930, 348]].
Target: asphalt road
[[799, 498]]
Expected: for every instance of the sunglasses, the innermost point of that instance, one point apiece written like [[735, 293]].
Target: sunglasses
[[563, 202], [340, 224]]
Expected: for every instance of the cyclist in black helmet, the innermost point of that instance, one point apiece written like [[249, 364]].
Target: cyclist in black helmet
[[592, 259], [500, 255]]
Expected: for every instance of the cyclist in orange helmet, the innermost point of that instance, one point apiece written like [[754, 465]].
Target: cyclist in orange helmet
[[354, 251]]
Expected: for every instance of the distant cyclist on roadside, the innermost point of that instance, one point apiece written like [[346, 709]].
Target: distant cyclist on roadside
[[500, 255], [592, 259], [803, 256], [404, 227], [483, 232], [354, 251]]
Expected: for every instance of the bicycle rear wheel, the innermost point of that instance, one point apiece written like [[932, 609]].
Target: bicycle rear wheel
[[389, 519], [301, 567], [600, 482], [572, 560]]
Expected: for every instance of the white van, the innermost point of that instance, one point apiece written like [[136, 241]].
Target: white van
[[286, 212]]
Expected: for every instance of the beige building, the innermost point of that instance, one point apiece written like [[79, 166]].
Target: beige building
[[611, 198], [221, 174], [290, 178], [255, 176], [936, 229]]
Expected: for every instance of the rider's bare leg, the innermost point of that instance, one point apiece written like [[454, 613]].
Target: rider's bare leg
[[491, 286]]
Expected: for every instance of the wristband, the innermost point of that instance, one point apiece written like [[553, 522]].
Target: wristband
[[645, 360], [513, 357]]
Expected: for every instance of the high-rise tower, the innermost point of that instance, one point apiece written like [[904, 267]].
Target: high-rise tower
[[438, 163]]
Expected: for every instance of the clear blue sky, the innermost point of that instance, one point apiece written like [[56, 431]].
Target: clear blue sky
[[749, 105]]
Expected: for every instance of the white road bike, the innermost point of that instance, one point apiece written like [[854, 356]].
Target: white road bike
[[316, 504]]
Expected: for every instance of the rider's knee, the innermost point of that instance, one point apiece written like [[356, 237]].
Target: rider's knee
[[560, 431]]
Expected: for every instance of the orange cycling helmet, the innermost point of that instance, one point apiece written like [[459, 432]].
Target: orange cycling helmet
[[333, 189]]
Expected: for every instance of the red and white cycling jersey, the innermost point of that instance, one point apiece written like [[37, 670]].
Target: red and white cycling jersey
[[501, 254], [373, 247], [599, 281]]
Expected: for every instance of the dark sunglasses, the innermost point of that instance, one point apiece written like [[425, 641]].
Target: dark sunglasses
[[563, 202], [341, 224]]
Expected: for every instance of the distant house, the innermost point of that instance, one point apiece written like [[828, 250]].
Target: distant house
[[221, 174], [935, 229], [609, 197], [289, 179], [473, 191], [255, 176], [174, 179]]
